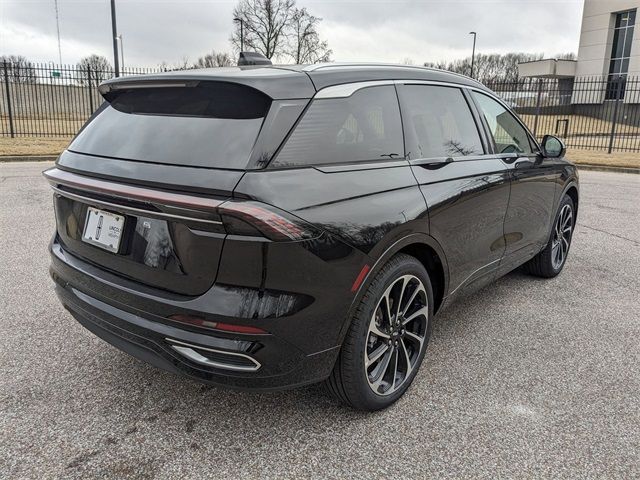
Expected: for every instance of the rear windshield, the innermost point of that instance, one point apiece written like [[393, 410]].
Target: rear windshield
[[212, 124]]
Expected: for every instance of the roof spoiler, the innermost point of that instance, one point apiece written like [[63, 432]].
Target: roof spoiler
[[252, 58], [132, 83]]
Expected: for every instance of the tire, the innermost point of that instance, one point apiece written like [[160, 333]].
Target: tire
[[547, 263], [397, 342]]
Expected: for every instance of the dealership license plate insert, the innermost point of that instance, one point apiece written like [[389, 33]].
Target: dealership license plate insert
[[103, 229]]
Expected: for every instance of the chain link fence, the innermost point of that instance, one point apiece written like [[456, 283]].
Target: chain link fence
[[594, 113]]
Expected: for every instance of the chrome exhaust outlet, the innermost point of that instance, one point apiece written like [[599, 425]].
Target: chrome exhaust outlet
[[210, 357]]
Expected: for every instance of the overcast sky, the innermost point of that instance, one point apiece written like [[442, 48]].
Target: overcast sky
[[357, 30]]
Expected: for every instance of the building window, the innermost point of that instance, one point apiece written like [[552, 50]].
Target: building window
[[620, 53]]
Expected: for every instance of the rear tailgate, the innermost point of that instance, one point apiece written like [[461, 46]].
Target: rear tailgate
[[163, 156], [171, 241]]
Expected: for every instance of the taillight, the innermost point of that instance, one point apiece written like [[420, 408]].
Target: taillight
[[239, 217], [225, 327], [254, 218]]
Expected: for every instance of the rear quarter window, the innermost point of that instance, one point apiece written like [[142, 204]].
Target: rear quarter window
[[363, 127]]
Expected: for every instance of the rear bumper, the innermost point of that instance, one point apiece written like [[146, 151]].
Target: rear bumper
[[135, 322]]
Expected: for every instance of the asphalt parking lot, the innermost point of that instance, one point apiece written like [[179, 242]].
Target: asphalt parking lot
[[527, 378]]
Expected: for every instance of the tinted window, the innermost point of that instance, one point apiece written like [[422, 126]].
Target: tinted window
[[364, 126], [509, 135], [212, 125], [620, 54], [438, 122], [207, 99]]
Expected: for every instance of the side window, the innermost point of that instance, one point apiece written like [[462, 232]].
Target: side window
[[363, 127], [438, 122], [509, 135]]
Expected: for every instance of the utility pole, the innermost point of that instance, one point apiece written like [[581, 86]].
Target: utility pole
[[241, 32], [473, 52], [121, 52], [114, 34]]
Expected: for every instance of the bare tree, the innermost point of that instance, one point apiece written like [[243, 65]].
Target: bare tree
[[492, 67], [183, 64], [93, 69], [566, 56], [19, 69], [214, 59], [440, 65], [304, 40], [265, 25]]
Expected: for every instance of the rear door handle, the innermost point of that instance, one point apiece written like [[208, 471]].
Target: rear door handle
[[431, 163]]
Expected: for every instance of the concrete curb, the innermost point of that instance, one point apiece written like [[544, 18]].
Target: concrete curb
[[607, 168], [28, 158]]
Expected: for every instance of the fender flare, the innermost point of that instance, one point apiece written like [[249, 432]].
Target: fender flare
[[571, 183], [390, 251]]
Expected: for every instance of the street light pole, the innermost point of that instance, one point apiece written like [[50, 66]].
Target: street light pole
[[473, 52], [241, 32], [114, 34], [58, 30], [121, 51]]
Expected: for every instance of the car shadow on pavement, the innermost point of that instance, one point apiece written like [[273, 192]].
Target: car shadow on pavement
[[198, 401]]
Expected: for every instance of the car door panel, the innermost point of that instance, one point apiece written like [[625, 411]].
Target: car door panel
[[533, 182], [467, 201], [530, 211], [465, 187]]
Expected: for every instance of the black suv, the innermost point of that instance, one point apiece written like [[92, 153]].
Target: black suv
[[272, 227]]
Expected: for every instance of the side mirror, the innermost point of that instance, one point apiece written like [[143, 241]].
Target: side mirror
[[553, 147]]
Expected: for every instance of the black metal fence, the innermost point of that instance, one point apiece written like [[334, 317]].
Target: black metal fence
[[47, 100], [595, 113], [592, 113]]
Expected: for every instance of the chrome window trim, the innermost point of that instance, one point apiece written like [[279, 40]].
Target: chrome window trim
[[367, 65], [345, 90], [484, 91], [348, 89]]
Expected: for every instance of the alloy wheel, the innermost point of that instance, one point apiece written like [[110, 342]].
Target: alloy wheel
[[562, 237], [396, 335]]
